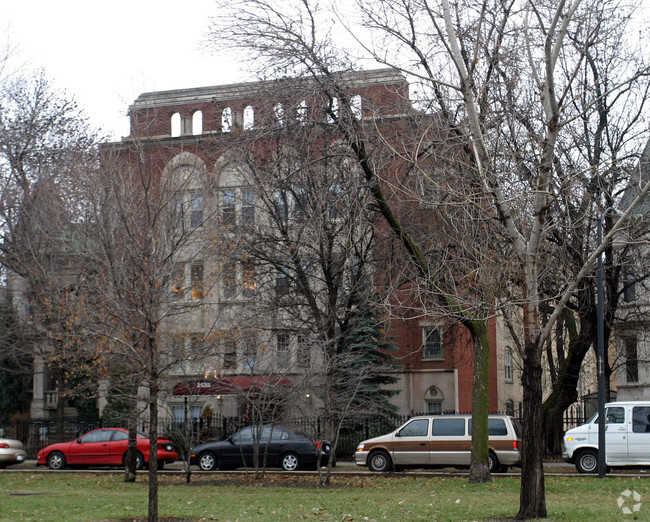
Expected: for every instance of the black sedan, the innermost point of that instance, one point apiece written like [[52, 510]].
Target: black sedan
[[282, 448]]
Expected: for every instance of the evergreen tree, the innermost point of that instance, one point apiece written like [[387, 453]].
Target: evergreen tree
[[367, 367]]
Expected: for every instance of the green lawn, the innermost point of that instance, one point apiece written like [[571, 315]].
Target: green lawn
[[87, 496]]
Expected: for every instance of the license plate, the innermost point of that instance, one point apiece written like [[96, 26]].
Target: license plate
[[20, 458]]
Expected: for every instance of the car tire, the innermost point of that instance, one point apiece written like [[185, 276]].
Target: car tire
[[161, 464], [290, 462], [56, 460], [493, 463], [380, 462], [208, 461], [587, 461]]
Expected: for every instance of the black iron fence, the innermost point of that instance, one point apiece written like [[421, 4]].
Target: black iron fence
[[36, 434]]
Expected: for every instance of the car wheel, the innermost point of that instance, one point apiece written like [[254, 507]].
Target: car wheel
[[493, 463], [380, 461], [56, 460], [290, 462], [587, 461], [161, 464], [208, 461], [139, 461]]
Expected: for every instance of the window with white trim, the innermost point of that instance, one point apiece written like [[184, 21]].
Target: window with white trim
[[507, 364], [432, 347]]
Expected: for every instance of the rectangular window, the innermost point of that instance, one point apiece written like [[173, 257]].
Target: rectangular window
[[196, 205], [282, 350], [178, 281], [432, 343], [448, 427], [248, 206], [197, 280], [507, 364], [300, 204], [631, 360], [303, 351], [250, 352], [229, 280], [178, 212], [641, 419], [334, 201], [230, 355], [434, 407], [281, 207], [282, 284], [615, 415], [629, 290], [228, 207], [249, 283]]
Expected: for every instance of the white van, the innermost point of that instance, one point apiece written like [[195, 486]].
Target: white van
[[627, 438]]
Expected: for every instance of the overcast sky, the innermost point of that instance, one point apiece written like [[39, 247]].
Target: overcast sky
[[104, 54]]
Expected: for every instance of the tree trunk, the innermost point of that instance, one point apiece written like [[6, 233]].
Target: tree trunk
[[479, 470], [153, 451], [130, 459], [532, 496]]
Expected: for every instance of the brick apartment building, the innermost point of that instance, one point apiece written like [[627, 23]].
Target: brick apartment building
[[193, 132]]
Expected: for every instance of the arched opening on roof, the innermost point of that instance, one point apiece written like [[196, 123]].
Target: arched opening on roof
[[197, 123], [356, 106], [176, 125], [279, 113], [249, 117], [226, 120], [301, 113]]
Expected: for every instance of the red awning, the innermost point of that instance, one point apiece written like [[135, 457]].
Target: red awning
[[229, 385]]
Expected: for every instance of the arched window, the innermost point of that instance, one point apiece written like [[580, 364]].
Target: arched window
[[197, 123], [249, 117], [176, 125], [433, 400], [279, 113], [355, 105], [226, 120]]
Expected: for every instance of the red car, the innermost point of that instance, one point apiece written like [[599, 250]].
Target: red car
[[103, 447]]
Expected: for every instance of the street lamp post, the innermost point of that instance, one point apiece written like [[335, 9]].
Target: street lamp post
[[600, 356]]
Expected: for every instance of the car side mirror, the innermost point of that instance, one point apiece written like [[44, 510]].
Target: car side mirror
[[78, 441], [231, 440]]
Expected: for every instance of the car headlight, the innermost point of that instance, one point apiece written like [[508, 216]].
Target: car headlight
[[360, 447], [169, 447]]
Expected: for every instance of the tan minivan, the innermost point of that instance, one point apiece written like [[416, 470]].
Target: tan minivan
[[441, 441]]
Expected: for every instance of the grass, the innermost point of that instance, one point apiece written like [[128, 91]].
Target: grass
[[88, 496]]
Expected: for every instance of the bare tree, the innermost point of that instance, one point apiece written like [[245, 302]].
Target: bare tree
[[306, 257], [144, 256], [45, 142], [503, 77]]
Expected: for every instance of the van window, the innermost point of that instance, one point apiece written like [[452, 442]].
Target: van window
[[416, 428], [496, 427], [641, 419], [448, 427], [615, 415]]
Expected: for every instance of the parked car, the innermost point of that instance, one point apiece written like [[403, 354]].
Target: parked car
[[103, 447], [627, 438], [441, 441], [283, 448], [11, 452]]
